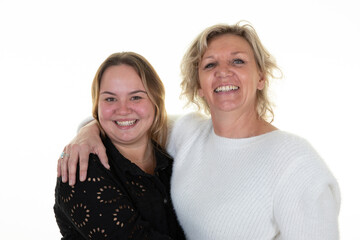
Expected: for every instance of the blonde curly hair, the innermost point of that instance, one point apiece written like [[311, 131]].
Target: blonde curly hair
[[189, 66]]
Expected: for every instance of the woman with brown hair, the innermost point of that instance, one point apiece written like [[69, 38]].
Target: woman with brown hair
[[131, 200]]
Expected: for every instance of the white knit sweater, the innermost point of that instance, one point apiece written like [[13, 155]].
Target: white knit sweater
[[272, 186]]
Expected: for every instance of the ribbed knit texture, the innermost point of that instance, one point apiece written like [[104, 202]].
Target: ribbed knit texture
[[272, 186]]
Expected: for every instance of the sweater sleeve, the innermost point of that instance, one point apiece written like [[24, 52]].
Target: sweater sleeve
[[307, 201], [99, 208], [84, 122], [182, 129]]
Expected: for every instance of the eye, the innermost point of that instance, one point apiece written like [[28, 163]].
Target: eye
[[209, 65], [134, 98], [238, 61], [110, 99]]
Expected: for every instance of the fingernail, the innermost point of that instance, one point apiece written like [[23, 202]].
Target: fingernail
[[82, 177], [71, 182], [107, 166]]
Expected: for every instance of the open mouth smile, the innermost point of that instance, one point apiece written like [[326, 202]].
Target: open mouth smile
[[125, 123], [226, 88]]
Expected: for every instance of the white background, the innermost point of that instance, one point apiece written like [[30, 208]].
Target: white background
[[50, 50]]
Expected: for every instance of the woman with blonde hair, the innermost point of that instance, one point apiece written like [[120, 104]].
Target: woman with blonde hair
[[236, 176]]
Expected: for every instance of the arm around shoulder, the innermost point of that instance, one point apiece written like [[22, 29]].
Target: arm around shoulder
[[87, 141], [99, 208]]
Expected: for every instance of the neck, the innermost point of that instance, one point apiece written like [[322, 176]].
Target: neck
[[230, 125], [142, 155]]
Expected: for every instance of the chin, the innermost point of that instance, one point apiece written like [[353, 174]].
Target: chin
[[226, 108]]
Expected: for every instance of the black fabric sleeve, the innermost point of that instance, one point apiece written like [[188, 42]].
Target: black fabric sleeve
[[99, 208]]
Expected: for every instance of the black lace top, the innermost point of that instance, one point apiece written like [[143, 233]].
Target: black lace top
[[121, 203]]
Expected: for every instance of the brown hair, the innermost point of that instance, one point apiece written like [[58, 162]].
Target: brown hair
[[153, 86]]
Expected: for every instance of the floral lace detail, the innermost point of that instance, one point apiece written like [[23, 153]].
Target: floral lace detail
[[116, 204]]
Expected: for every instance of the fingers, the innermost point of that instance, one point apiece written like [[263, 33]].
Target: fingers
[[101, 152], [72, 163], [68, 162], [84, 160], [59, 168], [78, 151], [63, 166]]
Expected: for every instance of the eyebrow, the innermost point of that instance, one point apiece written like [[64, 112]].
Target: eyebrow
[[233, 54], [138, 91], [133, 92]]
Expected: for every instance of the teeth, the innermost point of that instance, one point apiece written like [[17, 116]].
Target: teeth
[[226, 88], [125, 123]]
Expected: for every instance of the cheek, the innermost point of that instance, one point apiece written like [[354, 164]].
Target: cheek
[[149, 111], [201, 92], [204, 85], [145, 110], [105, 111]]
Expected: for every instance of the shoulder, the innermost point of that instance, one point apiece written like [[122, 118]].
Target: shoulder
[[281, 137], [289, 147], [97, 177], [303, 168], [100, 202], [190, 123], [296, 160], [194, 117], [187, 128], [163, 158], [307, 195], [95, 168]]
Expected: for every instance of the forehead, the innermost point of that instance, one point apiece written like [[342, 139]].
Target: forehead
[[121, 76], [228, 42]]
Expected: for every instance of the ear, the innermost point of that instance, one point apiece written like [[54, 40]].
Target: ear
[[261, 82]]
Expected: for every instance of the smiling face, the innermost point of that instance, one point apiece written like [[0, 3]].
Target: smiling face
[[125, 111], [229, 76]]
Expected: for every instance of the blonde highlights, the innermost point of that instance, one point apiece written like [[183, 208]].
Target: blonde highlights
[[190, 63], [152, 84]]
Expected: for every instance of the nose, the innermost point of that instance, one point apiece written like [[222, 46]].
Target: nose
[[123, 108], [223, 71]]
